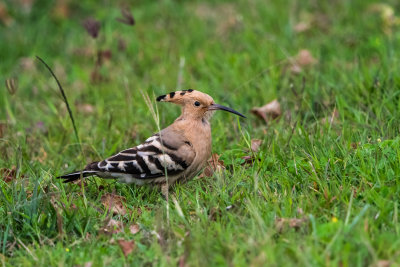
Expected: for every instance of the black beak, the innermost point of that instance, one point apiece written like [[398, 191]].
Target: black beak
[[221, 107]]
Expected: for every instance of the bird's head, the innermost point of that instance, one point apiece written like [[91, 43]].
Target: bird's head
[[195, 104]]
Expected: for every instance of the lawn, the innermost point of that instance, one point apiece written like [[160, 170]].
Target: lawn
[[323, 189]]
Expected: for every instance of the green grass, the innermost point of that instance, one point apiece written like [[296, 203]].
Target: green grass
[[342, 178]]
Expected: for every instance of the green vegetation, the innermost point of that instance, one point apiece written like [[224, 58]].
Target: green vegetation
[[323, 189]]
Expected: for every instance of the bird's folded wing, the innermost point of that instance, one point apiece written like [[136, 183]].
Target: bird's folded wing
[[167, 152]]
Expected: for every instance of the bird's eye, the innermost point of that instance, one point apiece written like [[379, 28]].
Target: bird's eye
[[197, 103]]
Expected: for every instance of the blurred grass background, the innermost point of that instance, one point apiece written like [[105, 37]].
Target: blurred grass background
[[322, 190]]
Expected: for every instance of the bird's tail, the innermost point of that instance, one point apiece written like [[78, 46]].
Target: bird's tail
[[73, 176]]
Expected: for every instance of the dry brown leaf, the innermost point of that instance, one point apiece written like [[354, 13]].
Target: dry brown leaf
[[255, 144], [114, 202], [213, 165], [134, 229], [303, 59], [268, 112], [301, 27], [8, 175], [126, 246], [283, 223], [112, 227], [383, 263], [85, 108], [27, 63], [248, 160]]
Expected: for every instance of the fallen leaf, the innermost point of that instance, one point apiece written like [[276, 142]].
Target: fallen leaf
[[134, 229], [88, 264], [301, 27], [114, 202], [126, 246], [255, 144], [112, 227], [282, 223], [27, 63], [383, 263], [268, 112], [248, 160], [303, 59], [213, 165], [85, 108], [8, 175]]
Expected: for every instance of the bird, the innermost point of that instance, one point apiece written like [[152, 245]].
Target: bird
[[177, 153]]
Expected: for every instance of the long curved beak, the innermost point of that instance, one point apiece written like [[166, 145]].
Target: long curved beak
[[221, 107]]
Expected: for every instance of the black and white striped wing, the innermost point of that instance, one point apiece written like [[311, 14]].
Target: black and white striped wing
[[150, 160]]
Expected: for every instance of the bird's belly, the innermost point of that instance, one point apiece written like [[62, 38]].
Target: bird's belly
[[129, 179]]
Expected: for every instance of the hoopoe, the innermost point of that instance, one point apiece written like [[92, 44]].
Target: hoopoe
[[176, 153]]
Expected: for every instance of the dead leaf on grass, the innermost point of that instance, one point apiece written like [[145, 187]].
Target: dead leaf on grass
[[302, 26], [134, 229], [126, 246], [255, 144], [308, 21], [85, 108], [27, 63], [114, 203], [302, 60], [112, 227], [268, 112], [383, 263], [213, 165], [8, 175], [282, 224]]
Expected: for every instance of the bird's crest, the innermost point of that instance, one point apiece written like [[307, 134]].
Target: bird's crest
[[175, 96]]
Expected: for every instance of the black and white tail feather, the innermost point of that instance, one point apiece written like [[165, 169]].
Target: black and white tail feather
[[165, 153]]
